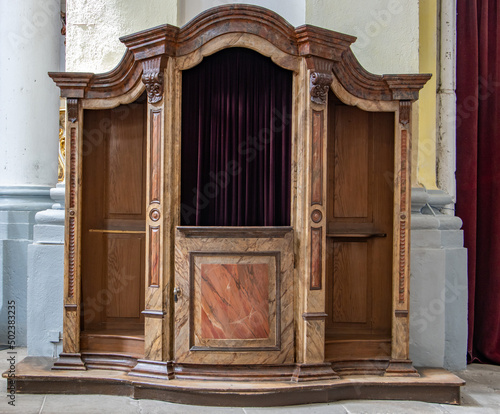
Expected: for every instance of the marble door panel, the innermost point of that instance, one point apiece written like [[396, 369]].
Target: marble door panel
[[235, 297]]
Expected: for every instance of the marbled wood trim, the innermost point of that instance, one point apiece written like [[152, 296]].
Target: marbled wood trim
[[316, 258], [314, 372], [401, 368], [361, 366], [168, 41], [71, 315], [317, 158], [314, 341], [71, 338], [234, 232], [33, 376], [210, 372], [153, 332], [99, 360], [69, 362], [153, 369], [310, 316], [154, 256], [155, 170], [183, 321], [404, 121]]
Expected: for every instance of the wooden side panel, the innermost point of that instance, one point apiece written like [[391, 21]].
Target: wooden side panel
[[317, 158], [73, 231], [156, 291], [360, 231], [124, 270], [316, 257], [154, 256], [155, 154], [352, 164], [350, 282], [125, 161], [113, 237]]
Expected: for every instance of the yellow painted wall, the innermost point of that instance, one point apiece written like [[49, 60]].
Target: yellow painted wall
[[426, 145]]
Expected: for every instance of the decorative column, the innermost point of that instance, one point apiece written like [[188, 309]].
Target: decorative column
[[70, 358], [30, 43], [157, 312], [317, 72], [400, 364]]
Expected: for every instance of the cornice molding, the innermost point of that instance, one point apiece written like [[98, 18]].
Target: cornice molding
[[320, 47]]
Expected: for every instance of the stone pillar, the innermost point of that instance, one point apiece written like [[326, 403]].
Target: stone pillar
[[446, 100], [438, 302], [29, 101]]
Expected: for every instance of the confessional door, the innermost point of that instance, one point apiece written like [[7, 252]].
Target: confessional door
[[113, 231], [359, 235]]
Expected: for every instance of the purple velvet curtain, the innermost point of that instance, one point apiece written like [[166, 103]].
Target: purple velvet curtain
[[236, 141], [478, 168]]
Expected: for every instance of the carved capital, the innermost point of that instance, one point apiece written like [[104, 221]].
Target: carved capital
[[72, 105], [319, 85], [404, 112], [152, 77], [320, 79]]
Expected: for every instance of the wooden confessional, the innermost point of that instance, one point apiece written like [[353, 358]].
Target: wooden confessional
[[293, 309]]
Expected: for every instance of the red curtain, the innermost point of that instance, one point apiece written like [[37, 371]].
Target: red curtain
[[478, 168], [236, 141]]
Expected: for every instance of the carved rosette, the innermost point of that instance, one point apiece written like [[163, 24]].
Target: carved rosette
[[319, 84], [152, 77]]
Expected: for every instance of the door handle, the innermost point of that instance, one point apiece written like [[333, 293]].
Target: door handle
[[177, 294]]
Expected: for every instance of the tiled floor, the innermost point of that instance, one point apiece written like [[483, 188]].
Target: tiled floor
[[480, 395]]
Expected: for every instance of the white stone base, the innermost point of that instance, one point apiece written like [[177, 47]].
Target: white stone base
[[438, 285], [18, 206], [46, 280]]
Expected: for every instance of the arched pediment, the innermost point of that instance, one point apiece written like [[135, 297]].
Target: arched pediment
[[326, 52]]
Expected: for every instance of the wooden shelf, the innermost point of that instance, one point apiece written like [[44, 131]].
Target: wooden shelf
[[117, 231], [355, 235]]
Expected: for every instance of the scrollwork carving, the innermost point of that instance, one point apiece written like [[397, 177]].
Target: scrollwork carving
[[152, 77], [320, 84]]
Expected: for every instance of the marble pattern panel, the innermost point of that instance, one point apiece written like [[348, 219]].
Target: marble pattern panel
[[234, 301]]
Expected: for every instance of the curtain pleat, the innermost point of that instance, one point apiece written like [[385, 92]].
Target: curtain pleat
[[478, 169]]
